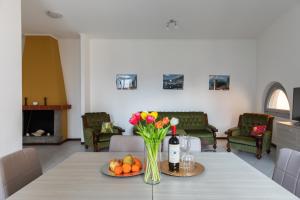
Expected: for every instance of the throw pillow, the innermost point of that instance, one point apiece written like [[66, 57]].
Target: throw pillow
[[107, 127], [258, 130]]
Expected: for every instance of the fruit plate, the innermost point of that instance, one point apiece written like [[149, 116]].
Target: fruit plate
[[105, 170]]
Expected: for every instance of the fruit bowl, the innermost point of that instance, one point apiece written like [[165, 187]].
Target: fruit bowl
[[128, 166]]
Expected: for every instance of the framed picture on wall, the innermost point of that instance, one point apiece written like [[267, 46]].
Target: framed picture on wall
[[173, 81], [219, 82], [126, 81]]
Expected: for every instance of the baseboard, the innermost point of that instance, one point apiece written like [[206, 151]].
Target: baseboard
[[73, 139], [59, 143]]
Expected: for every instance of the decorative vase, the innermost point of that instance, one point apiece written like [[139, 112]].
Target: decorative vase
[[152, 163]]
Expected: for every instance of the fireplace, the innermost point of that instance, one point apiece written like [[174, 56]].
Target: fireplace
[[38, 120], [43, 124]]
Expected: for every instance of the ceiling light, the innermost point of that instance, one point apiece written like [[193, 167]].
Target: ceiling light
[[172, 23], [54, 15]]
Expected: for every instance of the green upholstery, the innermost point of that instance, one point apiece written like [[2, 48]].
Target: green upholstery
[[240, 137], [249, 120], [194, 124], [187, 120], [96, 119], [244, 140], [206, 136], [93, 122]]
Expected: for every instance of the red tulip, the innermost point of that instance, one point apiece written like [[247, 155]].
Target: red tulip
[[133, 120], [138, 116], [150, 119]]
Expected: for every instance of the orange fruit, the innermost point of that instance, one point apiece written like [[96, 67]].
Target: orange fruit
[[137, 162], [126, 168], [118, 170], [135, 168]]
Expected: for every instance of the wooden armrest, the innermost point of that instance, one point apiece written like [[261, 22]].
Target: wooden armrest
[[121, 130], [229, 131], [212, 128]]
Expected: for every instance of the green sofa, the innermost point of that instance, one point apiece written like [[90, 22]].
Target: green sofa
[[92, 124], [194, 124], [240, 137]]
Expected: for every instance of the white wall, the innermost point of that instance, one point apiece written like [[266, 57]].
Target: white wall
[[70, 59], [10, 76], [196, 59], [85, 74], [278, 55]]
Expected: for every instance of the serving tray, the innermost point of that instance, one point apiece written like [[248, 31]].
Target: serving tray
[[198, 169]]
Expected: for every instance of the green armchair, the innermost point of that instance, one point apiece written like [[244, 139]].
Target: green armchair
[[193, 124], [240, 137], [92, 125]]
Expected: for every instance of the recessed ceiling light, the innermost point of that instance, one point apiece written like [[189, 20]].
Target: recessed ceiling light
[[54, 15]]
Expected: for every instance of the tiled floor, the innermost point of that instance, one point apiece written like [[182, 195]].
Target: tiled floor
[[51, 155]]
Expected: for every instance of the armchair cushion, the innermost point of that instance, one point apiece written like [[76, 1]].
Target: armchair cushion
[[246, 140], [105, 138]]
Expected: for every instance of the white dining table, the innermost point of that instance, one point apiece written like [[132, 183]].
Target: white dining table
[[226, 176]]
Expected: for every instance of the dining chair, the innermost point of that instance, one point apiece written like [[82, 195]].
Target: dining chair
[[17, 170], [195, 144], [126, 143], [287, 170]]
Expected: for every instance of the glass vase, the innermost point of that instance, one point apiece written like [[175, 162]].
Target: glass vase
[[152, 163]]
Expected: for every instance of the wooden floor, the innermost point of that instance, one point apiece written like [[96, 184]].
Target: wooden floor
[[51, 155]]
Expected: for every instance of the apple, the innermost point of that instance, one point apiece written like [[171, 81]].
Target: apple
[[128, 159], [113, 164]]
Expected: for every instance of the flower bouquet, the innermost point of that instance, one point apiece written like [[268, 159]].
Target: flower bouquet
[[153, 132]]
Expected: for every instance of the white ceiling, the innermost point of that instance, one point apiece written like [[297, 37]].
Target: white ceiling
[[147, 18]]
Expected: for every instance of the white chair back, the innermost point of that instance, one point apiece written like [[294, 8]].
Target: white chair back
[[126, 143], [195, 144], [287, 170], [17, 170]]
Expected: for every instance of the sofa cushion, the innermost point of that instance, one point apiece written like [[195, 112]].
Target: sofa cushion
[[187, 120], [248, 121], [199, 133], [246, 140]]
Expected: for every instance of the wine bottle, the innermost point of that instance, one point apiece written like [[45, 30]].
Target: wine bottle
[[174, 151]]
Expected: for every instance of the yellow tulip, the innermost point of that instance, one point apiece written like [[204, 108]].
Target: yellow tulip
[[144, 115], [154, 114]]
